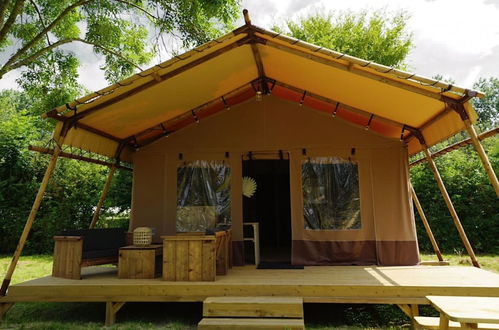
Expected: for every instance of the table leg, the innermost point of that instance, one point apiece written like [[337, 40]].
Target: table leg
[[444, 322], [469, 325]]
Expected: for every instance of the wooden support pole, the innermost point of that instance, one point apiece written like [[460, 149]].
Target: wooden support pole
[[483, 155], [450, 206], [111, 309], [107, 185], [4, 308], [425, 223], [78, 157], [32, 216]]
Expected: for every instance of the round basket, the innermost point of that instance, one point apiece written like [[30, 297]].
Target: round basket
[[142, 236]]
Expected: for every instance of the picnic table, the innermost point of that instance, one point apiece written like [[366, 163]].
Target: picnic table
[[468, 311]]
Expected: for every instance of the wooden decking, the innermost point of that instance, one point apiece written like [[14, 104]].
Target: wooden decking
[[338, 284]]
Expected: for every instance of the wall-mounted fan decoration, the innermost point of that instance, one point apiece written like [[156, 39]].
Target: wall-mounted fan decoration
[[249, 186]]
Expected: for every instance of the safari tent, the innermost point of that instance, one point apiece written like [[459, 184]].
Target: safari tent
[[325, 136]]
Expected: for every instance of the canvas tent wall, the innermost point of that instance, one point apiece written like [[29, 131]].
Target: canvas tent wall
[[386, 235]]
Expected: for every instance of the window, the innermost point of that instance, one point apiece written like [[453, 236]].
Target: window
[[330, 194], [203, 195]]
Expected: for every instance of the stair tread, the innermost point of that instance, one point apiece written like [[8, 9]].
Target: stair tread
[[250, 323], [430, 322], [284, 307], [255, 300]]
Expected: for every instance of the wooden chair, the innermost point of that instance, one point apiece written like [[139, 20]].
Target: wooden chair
[[255, 239], [223, 246]]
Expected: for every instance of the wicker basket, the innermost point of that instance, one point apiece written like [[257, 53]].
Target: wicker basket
[[142, 236]]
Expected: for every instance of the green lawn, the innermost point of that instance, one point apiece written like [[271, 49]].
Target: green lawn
[[187, 315]]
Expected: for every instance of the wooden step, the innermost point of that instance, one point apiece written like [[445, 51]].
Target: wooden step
[[427, 322], [252, 323], [286, 307]]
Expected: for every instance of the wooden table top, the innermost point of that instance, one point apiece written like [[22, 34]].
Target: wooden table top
[[467, 309]]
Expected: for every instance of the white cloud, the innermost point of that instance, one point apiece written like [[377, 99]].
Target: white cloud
[[8, 81]]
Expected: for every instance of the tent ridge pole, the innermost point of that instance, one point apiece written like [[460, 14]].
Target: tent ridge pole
[[59, 138], [426, 223], [449, 204]]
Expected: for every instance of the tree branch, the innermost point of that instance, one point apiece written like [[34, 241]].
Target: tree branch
[[7, 66], [137, 7], [16, 10], [12, 64], [37, 54], [41, 18], [3, 9], [110, 51], [43, 51]]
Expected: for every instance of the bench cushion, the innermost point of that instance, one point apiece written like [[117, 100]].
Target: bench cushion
[[107, 240]]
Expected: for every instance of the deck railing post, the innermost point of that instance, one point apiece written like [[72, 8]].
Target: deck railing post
[[450, 206], [32, 215], [426, 223], [483, 155], [107, 185]]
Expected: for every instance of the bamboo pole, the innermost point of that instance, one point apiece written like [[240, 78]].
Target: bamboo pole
[[107, 185], [425, 223], [450, 206], [78, 157], [32, 215], [483, 155], [457, 145]]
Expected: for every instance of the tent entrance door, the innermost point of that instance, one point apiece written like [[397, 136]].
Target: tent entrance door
[[270, 206]]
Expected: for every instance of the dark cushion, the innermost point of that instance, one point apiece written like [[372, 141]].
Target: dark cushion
[[100, 253], [99, 239]]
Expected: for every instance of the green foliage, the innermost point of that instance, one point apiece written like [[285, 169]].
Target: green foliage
[[380, 37], [473, 197], [73, 190], [117, 29], [488, 107]]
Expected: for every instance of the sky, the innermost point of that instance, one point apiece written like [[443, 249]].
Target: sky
[[458, 39]]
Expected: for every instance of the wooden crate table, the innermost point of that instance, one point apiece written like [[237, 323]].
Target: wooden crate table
[[139, 261], [189, 257], [471, 312]]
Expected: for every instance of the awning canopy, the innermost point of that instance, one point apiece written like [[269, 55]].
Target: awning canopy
[[250, 61]]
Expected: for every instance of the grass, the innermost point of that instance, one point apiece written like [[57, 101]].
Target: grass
[[487, 261], [187, 315]]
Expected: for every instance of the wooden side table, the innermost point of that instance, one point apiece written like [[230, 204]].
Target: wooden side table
[[139, 261], [189, 258]]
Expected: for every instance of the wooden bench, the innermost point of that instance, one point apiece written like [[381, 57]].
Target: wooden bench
[[86, 247]]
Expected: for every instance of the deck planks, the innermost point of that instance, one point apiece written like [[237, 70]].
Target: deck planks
[[349, 284]]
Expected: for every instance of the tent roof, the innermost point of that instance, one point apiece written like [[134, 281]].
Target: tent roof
[[250, 60]]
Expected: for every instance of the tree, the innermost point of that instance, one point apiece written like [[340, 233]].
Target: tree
[[377, 37], [488, 107], [117, 29]]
